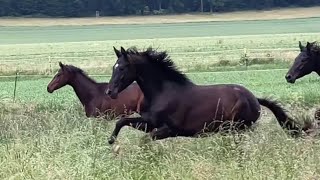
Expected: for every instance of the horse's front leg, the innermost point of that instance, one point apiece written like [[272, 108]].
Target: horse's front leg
[[124, 121]]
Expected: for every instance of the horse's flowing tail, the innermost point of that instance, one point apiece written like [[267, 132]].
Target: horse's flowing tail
[[282, 117]]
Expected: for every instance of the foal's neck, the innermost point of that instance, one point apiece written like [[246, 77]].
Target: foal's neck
[[84, 87]]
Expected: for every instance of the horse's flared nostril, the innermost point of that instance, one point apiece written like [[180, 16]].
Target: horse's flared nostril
[[288, 76], [108, 92]]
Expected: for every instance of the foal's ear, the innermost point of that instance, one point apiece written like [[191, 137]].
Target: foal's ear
[[124, 52], [300, 46], [117, 52]]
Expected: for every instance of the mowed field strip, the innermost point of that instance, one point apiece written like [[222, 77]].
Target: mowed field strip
[[193, 46], [283, 13]]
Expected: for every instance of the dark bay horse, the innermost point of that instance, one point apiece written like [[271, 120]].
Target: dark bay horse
[[306, 62], [177, 106], [92, 94]]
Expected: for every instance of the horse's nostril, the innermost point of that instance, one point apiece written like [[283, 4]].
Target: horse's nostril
[[108, 92], [288, 76]]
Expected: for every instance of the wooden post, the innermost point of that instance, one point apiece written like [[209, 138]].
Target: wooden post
[[15, 87], [245, 58], [50, 65], [201, 5]]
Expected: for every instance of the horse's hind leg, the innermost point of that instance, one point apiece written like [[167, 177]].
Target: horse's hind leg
[[161, 133]]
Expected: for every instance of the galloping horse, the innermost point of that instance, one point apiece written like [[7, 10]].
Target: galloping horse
[[92, 94], [306, 62], [177, 106]]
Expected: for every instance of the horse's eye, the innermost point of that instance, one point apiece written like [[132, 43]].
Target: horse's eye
[[121, 69]]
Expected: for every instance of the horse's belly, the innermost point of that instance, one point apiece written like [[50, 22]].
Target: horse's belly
[[213, 110]]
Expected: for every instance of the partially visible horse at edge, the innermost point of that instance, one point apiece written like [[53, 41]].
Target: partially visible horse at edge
[[177, 106], [306, 62], [92, 94]]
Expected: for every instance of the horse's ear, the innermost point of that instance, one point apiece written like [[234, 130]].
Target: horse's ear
[[124, 52], [308, 46], [117, 52], [61, 65], [300, 46]]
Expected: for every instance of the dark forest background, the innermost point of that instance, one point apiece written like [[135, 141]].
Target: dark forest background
[[78, 8]]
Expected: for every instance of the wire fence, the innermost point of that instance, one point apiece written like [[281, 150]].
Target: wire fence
[[46, 64], [16, 76]]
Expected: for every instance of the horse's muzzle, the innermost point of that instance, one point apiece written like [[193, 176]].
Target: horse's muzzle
[[112, 93], [290, 79]]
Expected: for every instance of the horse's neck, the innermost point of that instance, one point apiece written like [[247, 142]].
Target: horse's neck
[[317, 68], [84, 88], [151, 87]]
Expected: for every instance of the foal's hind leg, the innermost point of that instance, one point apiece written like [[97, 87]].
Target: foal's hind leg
[[127, 122]]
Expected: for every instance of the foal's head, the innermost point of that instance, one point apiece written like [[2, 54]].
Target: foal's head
[[305, 62], [65, 74]]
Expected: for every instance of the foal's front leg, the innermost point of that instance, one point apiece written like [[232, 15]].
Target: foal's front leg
[[124, 121]]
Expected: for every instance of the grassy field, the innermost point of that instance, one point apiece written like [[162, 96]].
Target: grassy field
[[194, 47], [47, 136]]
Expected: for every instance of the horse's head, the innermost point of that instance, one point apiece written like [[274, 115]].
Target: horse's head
[[304, 63], [60, 79], [123, 74]]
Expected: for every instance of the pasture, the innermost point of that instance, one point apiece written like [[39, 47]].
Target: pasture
[[47, 136]]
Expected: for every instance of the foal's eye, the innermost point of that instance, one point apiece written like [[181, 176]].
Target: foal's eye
[[121, 69]]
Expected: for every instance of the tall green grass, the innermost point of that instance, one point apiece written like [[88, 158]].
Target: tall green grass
[[37, 143]]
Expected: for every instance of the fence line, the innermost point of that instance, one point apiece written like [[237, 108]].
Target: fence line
[[57, 59], [188, 73], [108, 56]]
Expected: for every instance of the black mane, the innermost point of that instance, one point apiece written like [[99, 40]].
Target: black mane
[[162, 60], [315, 47], [74, 69]]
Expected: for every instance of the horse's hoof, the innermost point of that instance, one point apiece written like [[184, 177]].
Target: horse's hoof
[[111, 140], [116, 149]]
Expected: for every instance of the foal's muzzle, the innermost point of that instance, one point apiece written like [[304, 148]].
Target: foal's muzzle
[[49, 90]]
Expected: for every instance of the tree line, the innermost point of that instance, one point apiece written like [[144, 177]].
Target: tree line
[[79, 8]]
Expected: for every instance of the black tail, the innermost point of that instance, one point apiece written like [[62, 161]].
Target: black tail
[[282, 117]]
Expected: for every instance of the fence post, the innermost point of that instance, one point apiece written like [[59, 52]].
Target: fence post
[[50, 65], [245, 58], [15, 87]]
